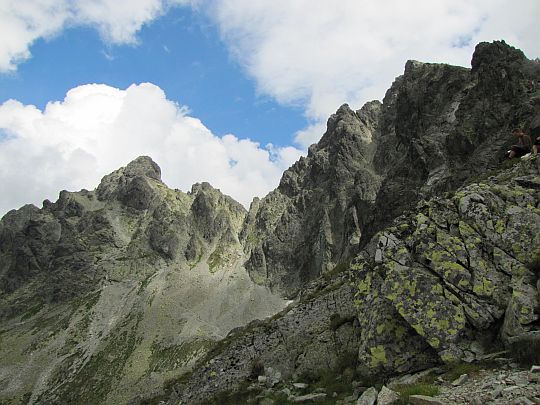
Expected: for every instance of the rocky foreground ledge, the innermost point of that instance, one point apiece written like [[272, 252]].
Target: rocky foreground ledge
[[499, 381]]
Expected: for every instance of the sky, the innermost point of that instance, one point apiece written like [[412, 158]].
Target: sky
[[226, 91]]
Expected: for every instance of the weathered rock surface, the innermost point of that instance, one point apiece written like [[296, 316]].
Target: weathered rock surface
[[454, 275], [440, 285], [314, 334], [369, 397], [314, 218], [387, 396], [497, 386], [425, 400]]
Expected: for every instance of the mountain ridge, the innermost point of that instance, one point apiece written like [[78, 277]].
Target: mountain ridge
[[118, 290]]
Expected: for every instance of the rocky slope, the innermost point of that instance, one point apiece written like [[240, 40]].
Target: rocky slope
[[451, 281], [107, 294]]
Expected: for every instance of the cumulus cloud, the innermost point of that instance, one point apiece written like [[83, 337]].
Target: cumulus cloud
[[23, 22], [322, 54], [97, 128]]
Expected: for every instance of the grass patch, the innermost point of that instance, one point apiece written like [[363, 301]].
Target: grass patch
[[32, 311], [172, 357], [504, 165], [405, 391], [239, 396], [92, 383], [215, 260], [454, 371], [339, 378]]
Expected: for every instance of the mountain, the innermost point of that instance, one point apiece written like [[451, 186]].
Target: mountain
[[398, 243], [106, 293]]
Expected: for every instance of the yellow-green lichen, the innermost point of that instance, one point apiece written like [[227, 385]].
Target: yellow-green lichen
[[364, 286], [378, 356], [400, 332], [500, 227], [434, 342], [484, 287]]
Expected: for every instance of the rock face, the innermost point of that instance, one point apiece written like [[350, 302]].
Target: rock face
[[448, 282], [107, 294], [129, 283], [437, 126], [454, 275], [314, 218], [317, 333]]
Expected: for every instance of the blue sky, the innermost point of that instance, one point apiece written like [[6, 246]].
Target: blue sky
[[226, 91], [181, 52]]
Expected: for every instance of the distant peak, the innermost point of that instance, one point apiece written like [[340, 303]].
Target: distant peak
[[143, 166], [344, 109], [204, 186], [488, 53], [412, 65]]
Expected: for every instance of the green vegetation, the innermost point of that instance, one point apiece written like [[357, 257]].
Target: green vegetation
[[175, 356], [504, 165], [405, 391], [455, 370], [32, 311], [257, 369], [337, 380], [239, 396], [215, 260], [95, 379], [526, 350]]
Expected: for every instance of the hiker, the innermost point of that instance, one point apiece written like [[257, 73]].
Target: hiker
[[535, 134], [536, 146], [522, 147]]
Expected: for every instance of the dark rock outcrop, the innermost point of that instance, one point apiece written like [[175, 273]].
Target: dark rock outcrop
[[314, 219], [448, 282], [438, 125]]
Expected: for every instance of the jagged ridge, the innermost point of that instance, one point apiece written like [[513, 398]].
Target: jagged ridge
[[140, 280]]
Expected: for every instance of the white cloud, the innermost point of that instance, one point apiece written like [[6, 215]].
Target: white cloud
[[320, 54], [23, 22], [311, 134], [96, 129], [316, 54]]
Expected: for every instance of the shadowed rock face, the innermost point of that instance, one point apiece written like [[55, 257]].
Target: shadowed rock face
[[438, 125], [448, 282], [314, 218]]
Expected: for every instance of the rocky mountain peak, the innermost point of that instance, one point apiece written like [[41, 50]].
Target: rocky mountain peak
[[132, 185], [495, 53], [346, 126], [143, 166]]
